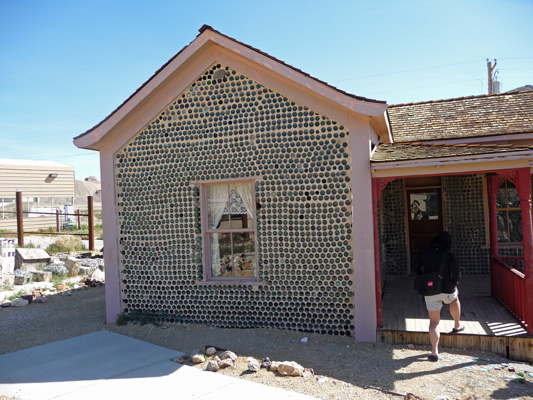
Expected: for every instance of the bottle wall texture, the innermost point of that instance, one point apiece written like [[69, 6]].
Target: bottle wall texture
[[224, 126]]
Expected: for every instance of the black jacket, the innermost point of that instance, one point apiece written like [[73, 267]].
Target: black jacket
[[429, 260]]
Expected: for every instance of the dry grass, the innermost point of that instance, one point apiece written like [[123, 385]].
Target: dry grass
[[65, 244]]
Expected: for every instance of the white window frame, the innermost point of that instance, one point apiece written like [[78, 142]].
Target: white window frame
[[206, 244]]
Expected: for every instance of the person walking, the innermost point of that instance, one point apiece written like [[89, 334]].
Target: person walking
[[430, 260]]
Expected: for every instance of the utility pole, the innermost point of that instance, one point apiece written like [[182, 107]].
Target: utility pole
[[490, 69]]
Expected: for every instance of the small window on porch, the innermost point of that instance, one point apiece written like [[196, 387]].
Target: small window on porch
[[508, 214], [228, 214]]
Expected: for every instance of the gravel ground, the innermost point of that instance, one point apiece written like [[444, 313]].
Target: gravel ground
[[344, 369]]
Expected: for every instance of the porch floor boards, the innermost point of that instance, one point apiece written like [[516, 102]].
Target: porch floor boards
[[405, 310]]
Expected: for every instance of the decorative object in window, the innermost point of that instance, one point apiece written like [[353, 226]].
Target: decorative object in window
[[228, 221]]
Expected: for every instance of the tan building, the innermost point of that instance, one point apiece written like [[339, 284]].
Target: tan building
[[45, 185]]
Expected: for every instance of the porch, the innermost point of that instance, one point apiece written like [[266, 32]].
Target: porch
[[489, 326]]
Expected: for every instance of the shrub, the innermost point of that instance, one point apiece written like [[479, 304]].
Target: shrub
[[65, 244], [122, 319]]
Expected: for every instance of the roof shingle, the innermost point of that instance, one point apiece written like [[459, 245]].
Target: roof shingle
[[421, 151], [465, 117]]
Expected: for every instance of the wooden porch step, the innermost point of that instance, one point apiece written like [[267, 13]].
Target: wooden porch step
[[488, 325], [514, 348]]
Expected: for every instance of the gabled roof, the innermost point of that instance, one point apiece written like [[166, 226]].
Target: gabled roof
[[217, 44], [465, 117]]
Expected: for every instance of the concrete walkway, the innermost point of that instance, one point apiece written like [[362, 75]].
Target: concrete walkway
[[105, 365]]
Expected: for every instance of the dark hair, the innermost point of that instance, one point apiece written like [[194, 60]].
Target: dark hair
[[443, 241]]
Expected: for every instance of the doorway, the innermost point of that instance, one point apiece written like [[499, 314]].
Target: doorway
[[424, 216]]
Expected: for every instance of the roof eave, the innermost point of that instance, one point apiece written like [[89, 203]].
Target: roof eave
[[457, 160]]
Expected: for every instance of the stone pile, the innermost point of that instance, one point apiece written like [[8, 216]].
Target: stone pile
[[35, 265], [38, 266], [216, 359]]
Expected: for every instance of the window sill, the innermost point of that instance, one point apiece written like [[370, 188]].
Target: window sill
[[510, 246], [230, 283]]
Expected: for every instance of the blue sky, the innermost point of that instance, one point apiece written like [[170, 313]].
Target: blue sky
[[65, 65]]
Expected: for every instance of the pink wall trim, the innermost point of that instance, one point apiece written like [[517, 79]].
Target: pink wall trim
[[363, 233], [112, 270]]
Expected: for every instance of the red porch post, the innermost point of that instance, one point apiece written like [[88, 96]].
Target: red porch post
[[378, 184], [524, 191]]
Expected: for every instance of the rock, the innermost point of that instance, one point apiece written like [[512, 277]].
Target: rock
[[274, 365], [308, 372], [28, 297], [210, 351], [66, 293], [6, 304], [265, 363], [410, 346], [228, 354], [253, 365], [73, 265], [179, 360], [321, 379], [198, 358], [97, 275], [466, 397], [19, 303], [62, 287], [41, 276], [31, 258], [212, 365], [41, 299], [442, 397], [304, 340], [225, 363], [290, 368], [90, 263], [57, 268]]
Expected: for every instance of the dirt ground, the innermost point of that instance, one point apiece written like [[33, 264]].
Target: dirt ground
[[343, 369]]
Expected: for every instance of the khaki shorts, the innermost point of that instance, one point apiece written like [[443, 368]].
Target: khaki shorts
[[435, 302]]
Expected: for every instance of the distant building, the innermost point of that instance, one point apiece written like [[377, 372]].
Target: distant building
[[45, 185]]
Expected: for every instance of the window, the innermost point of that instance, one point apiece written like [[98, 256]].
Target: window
[[228, 215], [508, 214]]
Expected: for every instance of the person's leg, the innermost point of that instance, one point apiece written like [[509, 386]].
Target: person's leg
[[455, 310], [434, 332]]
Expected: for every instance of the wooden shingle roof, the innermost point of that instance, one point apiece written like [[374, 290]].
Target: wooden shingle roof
[[465, 117], [423, 151]]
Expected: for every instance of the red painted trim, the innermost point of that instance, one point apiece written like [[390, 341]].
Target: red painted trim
[[491, 171], [493, 224], [524, 191]]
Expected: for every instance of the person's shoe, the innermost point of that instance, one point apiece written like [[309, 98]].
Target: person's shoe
[[433, 357], [457, 330]]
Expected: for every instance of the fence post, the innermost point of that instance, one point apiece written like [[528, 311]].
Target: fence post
[[79, 218], [91, 222], [20, 218], [58, 223]]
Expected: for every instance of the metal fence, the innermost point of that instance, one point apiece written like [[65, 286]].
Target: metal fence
[[59, 225]]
